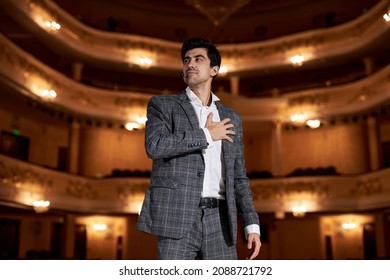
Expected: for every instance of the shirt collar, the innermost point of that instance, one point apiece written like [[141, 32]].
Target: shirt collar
[[195, 99]]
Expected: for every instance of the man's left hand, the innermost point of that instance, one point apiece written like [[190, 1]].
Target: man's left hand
[[254, 245]]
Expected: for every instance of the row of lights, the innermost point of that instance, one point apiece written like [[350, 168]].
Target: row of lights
[[300, 118]]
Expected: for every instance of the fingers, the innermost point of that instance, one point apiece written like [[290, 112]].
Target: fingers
[[220, 130], [253, 240]]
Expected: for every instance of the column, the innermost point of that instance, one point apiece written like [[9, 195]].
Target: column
[[373, 144], [368, 65], [74, 147], [234, 85], [69, 235], [277, 149], [77, 71]]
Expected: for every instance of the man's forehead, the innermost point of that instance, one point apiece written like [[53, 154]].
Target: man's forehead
[[197, 52]]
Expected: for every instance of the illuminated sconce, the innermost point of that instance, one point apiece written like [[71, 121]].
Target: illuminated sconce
[[99, 227], [387, 17], [313, 123], [144, 62], [138, 124], [223, 70], [48, 93], [52, 25], [143, 58], [131, 126], [298, 118], [41, 206], [142, 120], [349, 226], [298, 210], [44, 18], [297, 60]]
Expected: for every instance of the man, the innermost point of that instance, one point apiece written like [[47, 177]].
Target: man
[[198, 182]]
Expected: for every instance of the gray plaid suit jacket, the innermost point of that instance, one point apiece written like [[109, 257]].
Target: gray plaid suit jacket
[[174, 141]]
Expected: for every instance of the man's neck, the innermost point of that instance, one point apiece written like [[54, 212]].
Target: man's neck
[[204, 94]]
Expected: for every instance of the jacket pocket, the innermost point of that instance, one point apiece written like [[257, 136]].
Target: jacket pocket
[[164, 182]]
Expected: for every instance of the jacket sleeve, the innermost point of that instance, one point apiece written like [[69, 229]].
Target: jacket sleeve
[[168, 133], [243, 194]]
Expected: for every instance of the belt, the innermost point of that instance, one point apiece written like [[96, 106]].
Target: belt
[[211, 202]]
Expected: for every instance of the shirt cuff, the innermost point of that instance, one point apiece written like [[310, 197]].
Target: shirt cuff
[[208, 137], [252, 229]]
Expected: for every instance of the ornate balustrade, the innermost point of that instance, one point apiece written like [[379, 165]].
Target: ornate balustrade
[[23, 183], [30, 77], [79, 39]]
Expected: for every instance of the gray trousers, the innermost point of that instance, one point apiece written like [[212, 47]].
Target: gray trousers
[[207, 239]]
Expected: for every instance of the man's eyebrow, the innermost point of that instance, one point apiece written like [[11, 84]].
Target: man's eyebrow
[[195, 56]]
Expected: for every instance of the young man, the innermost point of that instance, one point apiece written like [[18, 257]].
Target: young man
[[198, 182]]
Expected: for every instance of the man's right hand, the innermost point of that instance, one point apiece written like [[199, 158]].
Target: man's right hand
[[220, 130]]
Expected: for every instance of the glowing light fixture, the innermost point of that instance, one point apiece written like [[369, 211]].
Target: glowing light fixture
[[41, 206], [348, 226], [142, 58], [387, 17], [299, 118], [131, 126], [52, 25], [298, 210], [142, 120], [48, 93], [100, 227], [144, 62], [223, 70], [313, 123], [297, 60]]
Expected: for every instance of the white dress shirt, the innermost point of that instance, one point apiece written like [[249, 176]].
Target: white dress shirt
[[213, 182]]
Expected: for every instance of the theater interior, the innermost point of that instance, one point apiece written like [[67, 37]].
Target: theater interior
[[310, 79]]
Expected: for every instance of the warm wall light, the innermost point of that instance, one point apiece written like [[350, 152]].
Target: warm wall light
[[298, 210], [299, 118], [313, 123], [223, 70], [131, 126], [144, 62], [139, 123], [100, 227], [48, 93], [143, 58], [297, 60], [41, 206], [387, 17], [52, 25], [142, 120], [348, 226]]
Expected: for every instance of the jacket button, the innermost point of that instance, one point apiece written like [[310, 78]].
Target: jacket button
[[199, 174]]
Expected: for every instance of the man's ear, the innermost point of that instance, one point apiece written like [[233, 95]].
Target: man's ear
[[214, 71]]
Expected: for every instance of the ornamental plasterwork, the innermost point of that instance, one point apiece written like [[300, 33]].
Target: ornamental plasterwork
[[125, 103], [25, 179], [83, 99], [367, 187], [82, 190], [280, 191], [128, 192]]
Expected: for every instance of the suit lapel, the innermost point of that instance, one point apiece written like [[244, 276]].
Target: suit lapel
[[188, 109], [227, 147]]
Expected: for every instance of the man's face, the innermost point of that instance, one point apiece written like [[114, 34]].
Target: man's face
[[196, 67]]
